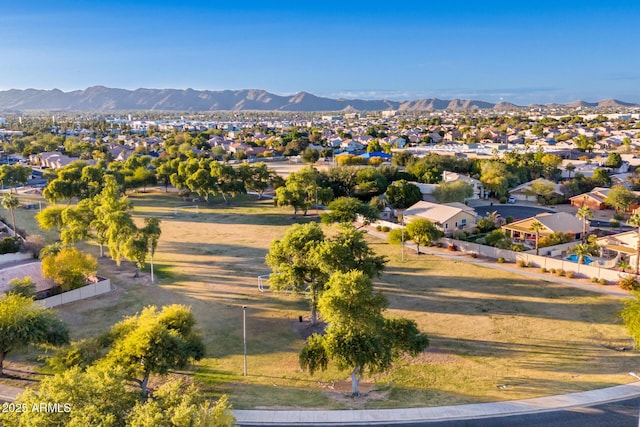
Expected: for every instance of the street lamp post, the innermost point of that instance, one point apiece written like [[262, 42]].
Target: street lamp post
[[634, 375], [244, 336], [402, 238], [151, 260]]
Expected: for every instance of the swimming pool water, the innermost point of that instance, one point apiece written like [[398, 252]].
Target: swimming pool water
[[574, 258]]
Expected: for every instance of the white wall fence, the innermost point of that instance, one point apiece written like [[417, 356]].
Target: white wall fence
[[84, 292], [18, 256], [554, 251], [537, 261]]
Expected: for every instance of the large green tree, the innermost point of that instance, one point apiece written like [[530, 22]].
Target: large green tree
[[495, 177], [302, 189], [50, 217], [24, 322], [14, 175], [100, 396], [257, 177], [620, 198], [457, 191], [402, 194], [359, 337], [631, 317], [348, 209], [348, 250], [69, 268], [293, 267], [422, 232], [154, 342]]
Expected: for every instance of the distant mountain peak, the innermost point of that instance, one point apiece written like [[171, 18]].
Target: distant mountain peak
[[101, 98]]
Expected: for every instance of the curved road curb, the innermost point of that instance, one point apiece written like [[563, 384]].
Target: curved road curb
[[442, 413]]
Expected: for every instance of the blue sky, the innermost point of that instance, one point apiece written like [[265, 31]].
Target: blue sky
[[523, 52]]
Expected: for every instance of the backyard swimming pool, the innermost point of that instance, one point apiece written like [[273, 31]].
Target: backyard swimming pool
[[574, 258]]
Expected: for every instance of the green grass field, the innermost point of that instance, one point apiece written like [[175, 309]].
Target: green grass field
[[494, 335]]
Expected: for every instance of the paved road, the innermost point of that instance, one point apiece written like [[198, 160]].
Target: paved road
[[615, 414], [515, 211]]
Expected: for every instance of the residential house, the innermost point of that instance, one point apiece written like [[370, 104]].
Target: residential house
[[478, 190], [621, 244], [349, 145], [524, 192], [594, 199], [447, 217], [561, 222]]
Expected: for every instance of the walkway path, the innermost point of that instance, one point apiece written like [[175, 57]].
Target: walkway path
[[442, 413]]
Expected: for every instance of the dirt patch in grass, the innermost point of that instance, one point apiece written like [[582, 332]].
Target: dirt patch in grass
[[305, 329]]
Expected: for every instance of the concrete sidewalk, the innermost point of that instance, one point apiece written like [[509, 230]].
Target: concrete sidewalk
[[9, 393], [443, 413]]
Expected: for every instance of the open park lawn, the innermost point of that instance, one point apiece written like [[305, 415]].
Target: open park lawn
[[494, 335]]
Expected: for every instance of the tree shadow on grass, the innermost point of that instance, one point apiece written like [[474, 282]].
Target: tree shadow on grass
[[589, 356], [409, 289]]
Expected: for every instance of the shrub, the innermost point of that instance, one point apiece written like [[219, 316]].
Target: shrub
[[452, 248], [503, 199], [34, 244], [555, 239], [501, 260], [395, 236], [618, 216], [69, 268], [378, 227], [628, 283], [473, 255], [602, 281], [492, 238], [560, 272], [594, 280], [570, 274], [552, 271], [9, 245], [614, 223], [485, 225], [24, 287], [386, 229], [543, 270], [521, 263], [509, 219]]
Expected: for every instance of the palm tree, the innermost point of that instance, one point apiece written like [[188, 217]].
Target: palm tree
[[634, 221], [623, 264], [10, 202], [536, 227], [584, 213], [581, 250]]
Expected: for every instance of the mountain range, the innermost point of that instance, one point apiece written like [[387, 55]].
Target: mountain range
[[100, 98]]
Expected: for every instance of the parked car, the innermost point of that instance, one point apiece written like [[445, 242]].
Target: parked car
[[511, 200]]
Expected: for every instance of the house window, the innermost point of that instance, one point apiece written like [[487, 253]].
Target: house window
[[463, 222], [446, 225], [456, 223]]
